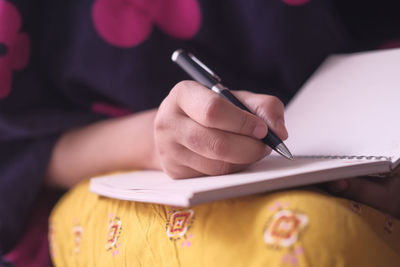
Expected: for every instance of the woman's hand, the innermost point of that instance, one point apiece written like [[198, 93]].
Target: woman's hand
[[198, 132], [380, 193]]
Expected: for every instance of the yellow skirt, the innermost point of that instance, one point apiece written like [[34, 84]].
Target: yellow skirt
[[302, 227]]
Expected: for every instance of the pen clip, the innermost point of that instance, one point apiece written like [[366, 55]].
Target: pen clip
[[207, 69]]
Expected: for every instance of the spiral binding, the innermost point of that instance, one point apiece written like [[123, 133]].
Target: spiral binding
[[344, 157]]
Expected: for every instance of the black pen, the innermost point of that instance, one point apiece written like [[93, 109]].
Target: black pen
[[202, 74]]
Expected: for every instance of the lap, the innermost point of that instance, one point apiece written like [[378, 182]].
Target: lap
[[301, 227]]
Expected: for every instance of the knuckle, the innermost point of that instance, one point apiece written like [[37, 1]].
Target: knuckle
[[273, 101], [211, 110], [246, 124], [182, 86], [165, 117], [276, 100], [261, 109], [218, 147], [175, 91], [193, 140], [161, 124], [270, 108], [174, 153]]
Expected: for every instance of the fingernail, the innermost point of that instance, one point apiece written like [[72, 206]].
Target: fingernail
[[260, 131], [339, 186]]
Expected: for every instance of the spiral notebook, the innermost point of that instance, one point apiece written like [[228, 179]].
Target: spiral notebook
[[344, 122]]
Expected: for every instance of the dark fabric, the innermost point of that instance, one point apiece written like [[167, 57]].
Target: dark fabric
[[33, 248]]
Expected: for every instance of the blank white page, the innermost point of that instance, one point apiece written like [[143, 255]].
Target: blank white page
[[350, 106]]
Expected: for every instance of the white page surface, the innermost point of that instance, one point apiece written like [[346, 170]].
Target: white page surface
[[351, 106]]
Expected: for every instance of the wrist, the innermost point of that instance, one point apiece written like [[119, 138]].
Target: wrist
[[119, 144]]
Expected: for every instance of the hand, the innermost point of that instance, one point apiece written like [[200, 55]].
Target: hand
[[380, 193], [198, 132]]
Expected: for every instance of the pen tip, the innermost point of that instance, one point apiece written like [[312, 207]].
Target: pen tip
[[284, 151]]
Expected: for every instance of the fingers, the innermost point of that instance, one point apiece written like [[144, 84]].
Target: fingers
[[216, 144], [363, 190], [198, 132], [220, 145], [267, 107], [186, 164], [213, 111]]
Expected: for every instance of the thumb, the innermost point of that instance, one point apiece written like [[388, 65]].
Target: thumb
[[267, 107]]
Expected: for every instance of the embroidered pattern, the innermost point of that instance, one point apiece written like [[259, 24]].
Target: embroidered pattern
[[114, 231], [127, 23], [278, 205], [284, 228], [389, 225], [291, 257], [187, 242], [356, 207], [178, 225], [77, 231], [14, 46]]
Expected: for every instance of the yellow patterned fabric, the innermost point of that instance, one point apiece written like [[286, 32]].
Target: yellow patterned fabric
[[302, 227]]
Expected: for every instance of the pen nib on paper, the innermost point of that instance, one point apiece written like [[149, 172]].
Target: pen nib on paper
[[284, 151]]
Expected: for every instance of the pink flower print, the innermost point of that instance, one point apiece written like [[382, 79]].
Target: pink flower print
[[391, 44], [296, 2], [114, 232], [356, 207], [127, 23], [291, 257], [278, 205], [14, 46], [179, 223], [285, 228], [110, 110], [187, 242], [389, 225]]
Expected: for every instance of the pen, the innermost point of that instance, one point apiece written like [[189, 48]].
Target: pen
[[202, 74]]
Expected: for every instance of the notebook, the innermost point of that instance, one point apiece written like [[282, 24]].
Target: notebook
[[344, 122]]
